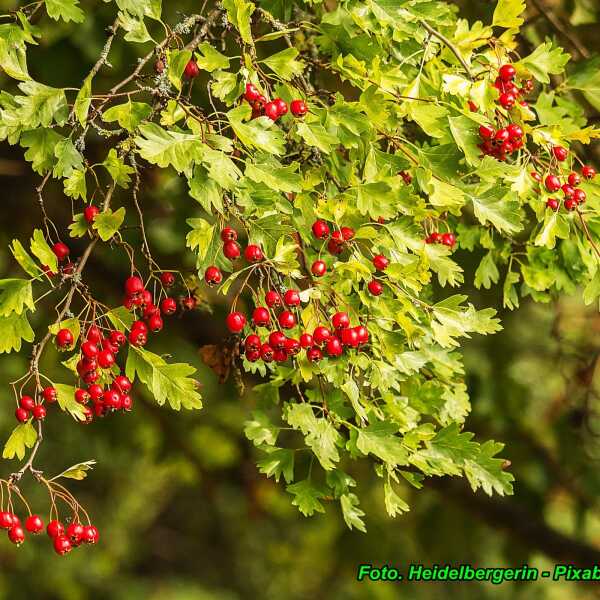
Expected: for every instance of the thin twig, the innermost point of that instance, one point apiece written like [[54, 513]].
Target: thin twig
[[450, 46]]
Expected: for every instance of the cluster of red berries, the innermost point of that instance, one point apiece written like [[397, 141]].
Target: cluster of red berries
[[279, 347], [502, 142], [337, 241], [61, 251], [63, 539], [28, 407], [447, 239], [232, 250], [509, 91], [275, 108], [573, 195]]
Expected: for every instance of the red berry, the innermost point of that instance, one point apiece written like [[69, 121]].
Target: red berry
[[95, 391], [318, 268], [49, 394], [252, 342], [189, 303], [507, 100], [6, 520], [340, 320], [168, 306], [380, 262], [26, 402], [272, 111], [334, 346], [39, 412], [34, 524], [282, 107], [228, 234], [350, 337], [60, 250], [261, 316], [126, 402], [133, 286], [321, 334], [334, 247], [574, 179], [515, 131], [306, 340], [314, 354], [64, 339], [277, 340], [137, 337], [507, 72], [552, 203], [122, 383], [552, 183], [448, 239], [167, 278], [588, 172], [55, 528], [280, 355], [363, 334], [472, 106], [16, 535], [235, 321], [191, 69], [106, 359], [22, 415], [251, 94], [253, 253], [111, 399], [89, 349], [567, 190], [273, 299], [213, 275], [375, 287], [292, 347], [266, 353], [560, 153], [82, 396], [252, 355], [117, 338], [94, 334], [320, 230], [570, 204], [231, 250], [535, 175], [75, 533], [292, 298], [579, 195], [347, 233], [62, 545], [298, 108], [155, 323], [502, 135], [287, 320], [90, 213], [487, 133]]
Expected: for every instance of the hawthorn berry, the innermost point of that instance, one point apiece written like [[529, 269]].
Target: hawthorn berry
[[271, 111], [266, 353], [567, 190], [168, 306], [560, 153], [277, 340], [333, 347], [574, 179], [252, 355], [318, 268], [90, 213], [314, 354], [126, 402], [155, 323], [380, 262], [95, 391], [55, 528], [106, 359], [448, 239], [167, 278], [340, 320], [64, 339], [228, 234], [22, 415], [350, 337], [89, 349], [39, 412], [34, 524], [375, 287], [280, 355], [273, 299], [347, 233], [552, 203], [292, 298], [261, 316], [189, 303], [111, 399], [134, 286], [16, 535], [535, 175], [75, 533], [231, 250], [6, 520], [320, 230], [94, 334], [579, 195], [81, 396], [252, 342], [251, 93], [552, 183], [287, 320], [49, 394], [515, 131], [282, 107], [507, 100], [570, 204], [62, 545], [26, 402], [137, 337], [507, 72], [588, 172], [292, 347], [253, 253], [321, 334], [191, 69], [487, 133], [235, 321], [60, 250], [335, 247], [306, 340], [502, 135], [363, 334], [213, 275], [298, 107]]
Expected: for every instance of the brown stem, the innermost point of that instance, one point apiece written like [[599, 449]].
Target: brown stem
[[450, 46]]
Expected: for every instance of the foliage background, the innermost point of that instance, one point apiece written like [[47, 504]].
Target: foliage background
[[182, 510]]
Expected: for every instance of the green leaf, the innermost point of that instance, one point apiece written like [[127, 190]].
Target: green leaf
[[135, 27], [119, 171], [306, 497], [23, 436], [260, 133], [464, 131], [65, 396], [239, 13], [40, 249], [284, 63], [83, 101], [205, 190], [107, 223], [169, 148], [68, 159], [380, 439], [493, 205], [394, 505], [314, 134], [79, 226], [15, 296], [278, 462], [508, 13], [260, 430], [487, 272], [545, 60], [592, 289], [40, 106], [15, 328], [75, 185], [275, 175], [352, 514], [129, 114], [121, 318], [226, 87], [585, 77], [555, 225], [13, 51], [41, 144], [431, 118], [221, 168], [176, 61], [206, 241], [211, 59], [67, 10], [166, 382], [23, 258], [77, 472]]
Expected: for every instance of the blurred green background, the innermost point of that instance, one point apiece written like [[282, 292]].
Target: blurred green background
[[182, 510]]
